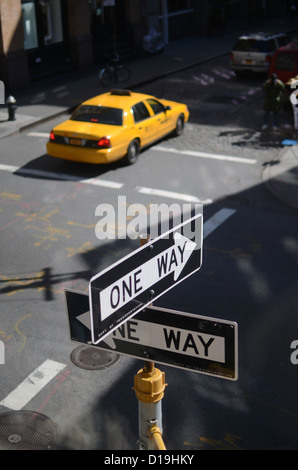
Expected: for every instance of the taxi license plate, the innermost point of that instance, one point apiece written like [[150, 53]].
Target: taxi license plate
[[75, 141], [248, 61]]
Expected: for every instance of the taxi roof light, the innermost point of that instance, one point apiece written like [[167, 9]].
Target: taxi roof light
[[120, 92]]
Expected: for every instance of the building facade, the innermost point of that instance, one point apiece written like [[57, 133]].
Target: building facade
[[43, 37]]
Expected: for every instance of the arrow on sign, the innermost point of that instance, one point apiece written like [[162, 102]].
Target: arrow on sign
[[172, 260]]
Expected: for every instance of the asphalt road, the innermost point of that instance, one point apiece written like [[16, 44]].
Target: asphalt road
[[249, 275]]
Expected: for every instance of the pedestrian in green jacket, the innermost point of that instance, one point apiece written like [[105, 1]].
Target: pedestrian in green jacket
[[273, 88]]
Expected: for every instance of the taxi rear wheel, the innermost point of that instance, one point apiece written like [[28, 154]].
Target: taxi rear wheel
[[132, 152], [179, 125]]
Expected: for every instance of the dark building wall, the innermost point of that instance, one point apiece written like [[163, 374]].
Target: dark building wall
[[13, 59], [80, 39], [87, 32]]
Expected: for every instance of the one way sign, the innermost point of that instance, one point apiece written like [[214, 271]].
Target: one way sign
[[178, 339], [119, 292]]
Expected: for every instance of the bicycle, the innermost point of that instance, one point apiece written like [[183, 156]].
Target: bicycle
[[114, 70]]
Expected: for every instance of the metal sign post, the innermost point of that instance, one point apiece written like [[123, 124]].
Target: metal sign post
[[149, 385]]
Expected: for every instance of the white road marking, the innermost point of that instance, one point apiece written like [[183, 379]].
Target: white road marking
[[10, 168], [38, 98], [172, 195], [33, 384], [39, 134], [212, 156], [60, 176], [61, 91], [62, 94], [216, 220], [59, 88], [104, 183]]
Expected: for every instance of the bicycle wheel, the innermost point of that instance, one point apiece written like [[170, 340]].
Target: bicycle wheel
[[122, 73], [105, 77]]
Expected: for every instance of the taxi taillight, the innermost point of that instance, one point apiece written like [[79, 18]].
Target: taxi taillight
[[104, 143]]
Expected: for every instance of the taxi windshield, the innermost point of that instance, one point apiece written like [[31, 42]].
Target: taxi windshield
[[98, 115]]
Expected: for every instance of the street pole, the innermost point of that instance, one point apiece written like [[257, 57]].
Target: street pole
[[149, 386]]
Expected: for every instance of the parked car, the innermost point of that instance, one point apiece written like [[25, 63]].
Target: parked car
[[115, 125], [285, 62], [254, 52]]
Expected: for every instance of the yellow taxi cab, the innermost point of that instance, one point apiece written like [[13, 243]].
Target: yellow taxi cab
[[115, 125]]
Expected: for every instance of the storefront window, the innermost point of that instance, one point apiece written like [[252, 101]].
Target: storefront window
[[51, 20], [30, 29], [42, 23]]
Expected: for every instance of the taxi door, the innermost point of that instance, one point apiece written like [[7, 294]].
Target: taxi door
[[161, 123], [143, 122]]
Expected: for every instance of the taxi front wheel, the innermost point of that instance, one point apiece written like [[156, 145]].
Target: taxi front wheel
[[132, 152]]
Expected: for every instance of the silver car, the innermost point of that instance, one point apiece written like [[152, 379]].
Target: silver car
[[253, 52]]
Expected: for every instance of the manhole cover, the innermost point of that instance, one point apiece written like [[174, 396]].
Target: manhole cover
[[234, 201], [93, 358], [26, 430]]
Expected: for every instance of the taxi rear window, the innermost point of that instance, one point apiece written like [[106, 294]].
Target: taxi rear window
[[98, 115]]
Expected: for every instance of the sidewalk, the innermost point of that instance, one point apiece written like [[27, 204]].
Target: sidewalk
[[49, 98]]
